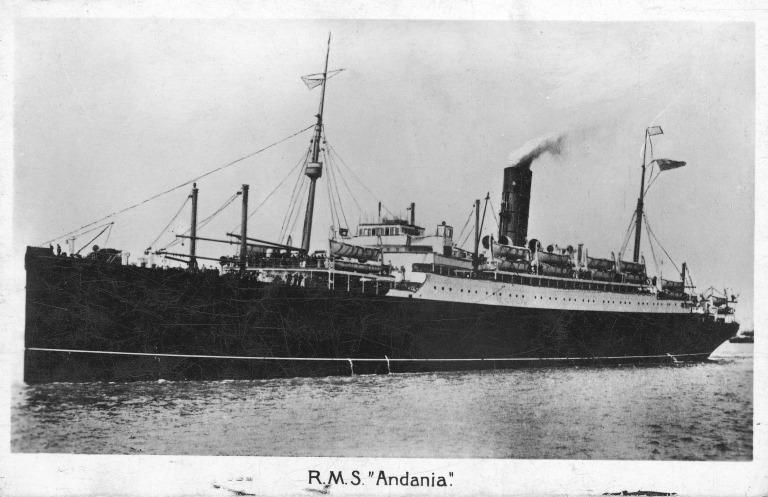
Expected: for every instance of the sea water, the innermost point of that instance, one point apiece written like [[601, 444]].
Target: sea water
[[699, 412]]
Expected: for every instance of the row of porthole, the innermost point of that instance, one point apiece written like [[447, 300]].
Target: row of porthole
[[569, 299], [442, 288]]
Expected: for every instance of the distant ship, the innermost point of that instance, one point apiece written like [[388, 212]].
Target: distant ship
[[391, 296]]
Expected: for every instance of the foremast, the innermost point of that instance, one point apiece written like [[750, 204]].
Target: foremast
[[314, 168]]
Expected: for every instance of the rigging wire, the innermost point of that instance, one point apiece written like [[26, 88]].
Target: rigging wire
[[660, 245], [690, 278], [331, 202], [630, 230], [87, 231], [295, 207], [651, 179], [157, 195], [202, 223], [495, 218], [344, 180], [94, 238], [333, 150], [173, 219], [653, 252], [293, 201], [296, 219], [465, 225], [485, 209], [269, 195], [331, 198], [334, 173], [469, 232], [109, 233], [331, 206]]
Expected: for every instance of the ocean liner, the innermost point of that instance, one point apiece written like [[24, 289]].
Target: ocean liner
[[388, 297]]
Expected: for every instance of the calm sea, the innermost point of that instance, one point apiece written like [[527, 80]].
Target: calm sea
[[701, 411]]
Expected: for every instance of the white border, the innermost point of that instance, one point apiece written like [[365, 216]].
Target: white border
[[55, 474]]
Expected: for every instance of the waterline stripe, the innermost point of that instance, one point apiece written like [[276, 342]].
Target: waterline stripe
[[361, 359]]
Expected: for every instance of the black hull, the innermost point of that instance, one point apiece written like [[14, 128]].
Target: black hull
[[83, 305]]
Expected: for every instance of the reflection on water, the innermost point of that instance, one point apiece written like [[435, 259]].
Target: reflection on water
[[701, 411]]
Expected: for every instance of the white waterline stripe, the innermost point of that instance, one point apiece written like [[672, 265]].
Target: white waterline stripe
[[361, 359]]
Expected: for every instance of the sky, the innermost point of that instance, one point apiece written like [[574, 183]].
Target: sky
[[109, 112]]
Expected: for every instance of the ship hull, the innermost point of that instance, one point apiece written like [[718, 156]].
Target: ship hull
[[88, 321]]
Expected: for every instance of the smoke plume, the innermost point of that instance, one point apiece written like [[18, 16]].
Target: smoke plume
[[527, 154]]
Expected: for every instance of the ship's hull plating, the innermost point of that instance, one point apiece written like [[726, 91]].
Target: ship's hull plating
[[80, 305]]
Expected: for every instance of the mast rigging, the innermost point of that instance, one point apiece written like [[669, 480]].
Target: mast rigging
[[315, 169]]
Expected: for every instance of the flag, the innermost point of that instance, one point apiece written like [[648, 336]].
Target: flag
[[655, 130], [313, 80], [665, 164]]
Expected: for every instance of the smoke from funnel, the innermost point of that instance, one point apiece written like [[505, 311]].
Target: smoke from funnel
[[516, 190], [530, 152]]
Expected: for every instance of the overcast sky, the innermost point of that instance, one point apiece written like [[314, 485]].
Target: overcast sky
[[110, 112]]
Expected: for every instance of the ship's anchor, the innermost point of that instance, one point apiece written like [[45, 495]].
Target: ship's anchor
[[351, 368], [389, 371]]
